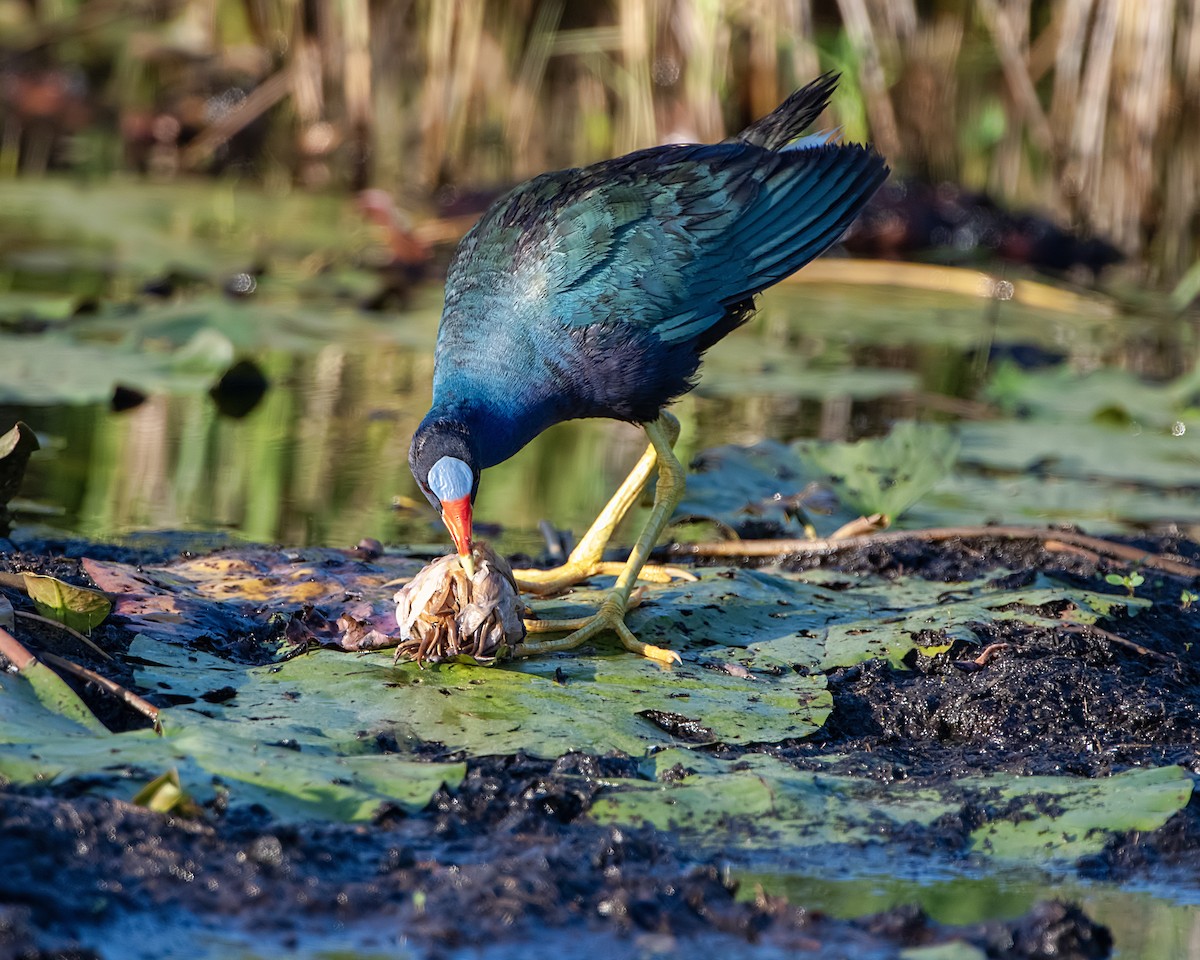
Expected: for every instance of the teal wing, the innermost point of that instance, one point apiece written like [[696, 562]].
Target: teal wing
[[669, 239]]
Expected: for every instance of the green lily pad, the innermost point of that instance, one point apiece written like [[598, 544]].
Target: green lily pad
[[885, 475], [46, 734], [759, 802], [56, 368], [732, 483], [1085, 451], [1073, 817], [1105, 396], [598, 700], [933, 614]]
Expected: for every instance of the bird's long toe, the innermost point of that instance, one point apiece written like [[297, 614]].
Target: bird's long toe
[[610, 617], [547, 583]]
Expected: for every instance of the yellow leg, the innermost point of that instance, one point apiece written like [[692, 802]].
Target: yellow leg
[[585, 560], [611, 615]]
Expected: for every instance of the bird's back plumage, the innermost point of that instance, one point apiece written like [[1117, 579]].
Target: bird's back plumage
[[595, 291]]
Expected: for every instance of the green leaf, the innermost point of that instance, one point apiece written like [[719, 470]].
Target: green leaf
[[77, 607], [733, 483], [885, 475], [59, 710], [1105, 396], [46, 735], [611, 701], [163, 794]]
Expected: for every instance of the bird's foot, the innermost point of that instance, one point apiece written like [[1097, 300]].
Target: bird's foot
[[546, 583], [610, 616]]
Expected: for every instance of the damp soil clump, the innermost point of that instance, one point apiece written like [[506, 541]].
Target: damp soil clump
[[512, 857]]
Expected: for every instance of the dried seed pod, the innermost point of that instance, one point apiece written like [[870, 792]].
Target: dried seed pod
[[443, 613]]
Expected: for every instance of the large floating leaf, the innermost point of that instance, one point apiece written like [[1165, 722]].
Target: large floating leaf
[[1085, 451], [1073, 817], [731, 484], [597, 700], [44, 736], [759, 802], [885, 475], [55, 368], [1038, 472], [754, 644]]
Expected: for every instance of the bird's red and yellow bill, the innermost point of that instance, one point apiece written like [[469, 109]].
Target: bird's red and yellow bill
[[456, 514]]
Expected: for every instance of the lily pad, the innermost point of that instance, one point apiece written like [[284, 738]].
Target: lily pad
[[732, 484], [767, 479], [1105, 396], [44, 737], [936, 614], [600, 700], [1074, 817], [885, 475], [759, 802]]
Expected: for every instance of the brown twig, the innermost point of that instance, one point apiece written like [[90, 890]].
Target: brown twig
[[989, 653], [131, 699], [828, 547], [62, 626], [862, 526]]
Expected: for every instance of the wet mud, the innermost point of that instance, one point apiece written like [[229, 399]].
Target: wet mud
[[511, 862]]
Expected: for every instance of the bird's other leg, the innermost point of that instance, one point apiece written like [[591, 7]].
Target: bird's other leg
[[586, 559], [611, 615]]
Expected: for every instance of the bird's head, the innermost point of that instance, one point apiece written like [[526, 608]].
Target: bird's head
[[443, 463]]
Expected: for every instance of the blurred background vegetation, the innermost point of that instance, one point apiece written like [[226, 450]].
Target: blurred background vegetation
[[1085, 109]]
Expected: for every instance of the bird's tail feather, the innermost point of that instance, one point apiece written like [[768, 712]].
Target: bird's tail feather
[[787, 121]]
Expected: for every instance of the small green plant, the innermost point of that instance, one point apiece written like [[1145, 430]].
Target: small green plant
[[1187, 598], [1129, 581]]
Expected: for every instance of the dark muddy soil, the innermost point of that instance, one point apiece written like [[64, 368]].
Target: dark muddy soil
[[510, 861]]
